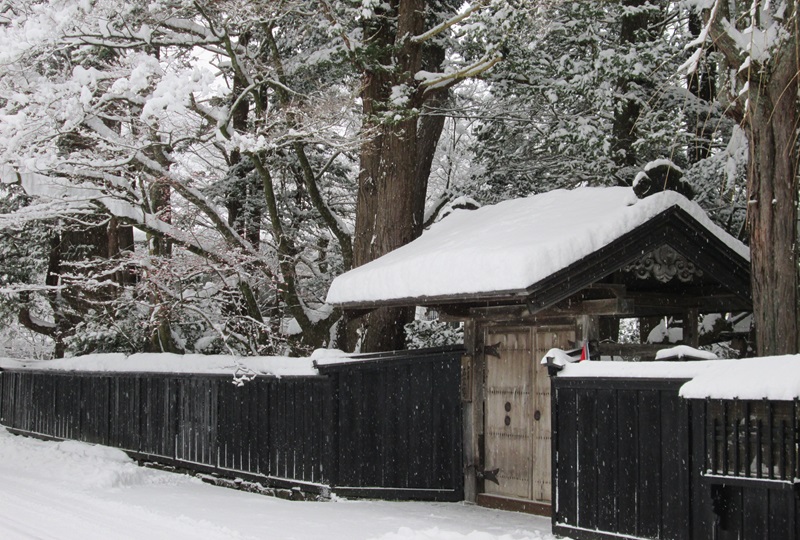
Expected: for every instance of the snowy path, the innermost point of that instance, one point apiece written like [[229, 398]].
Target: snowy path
[[70, 490]]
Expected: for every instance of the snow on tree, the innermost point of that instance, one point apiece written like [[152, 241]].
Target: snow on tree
[[590, 93], [229, 133], [263, 147], [140, 112], [758, 42], [406, 70]]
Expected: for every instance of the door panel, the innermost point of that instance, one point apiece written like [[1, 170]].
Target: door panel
[[508, 403], [517, 412], [546, 339]]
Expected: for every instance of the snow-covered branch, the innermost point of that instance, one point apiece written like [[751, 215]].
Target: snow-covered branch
[[431, 82], [445, 25]]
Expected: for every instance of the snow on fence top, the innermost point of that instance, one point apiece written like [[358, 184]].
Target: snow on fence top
[[280, 366], [770, 377], [773, 377], [511, 245], [641, 370]]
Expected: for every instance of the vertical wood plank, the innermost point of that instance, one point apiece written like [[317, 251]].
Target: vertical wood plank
[[587, 458], [628, 473], [649, 465], [566, 459], [607, 460]]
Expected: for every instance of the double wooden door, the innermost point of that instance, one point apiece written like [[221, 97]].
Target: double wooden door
[[517, 410]]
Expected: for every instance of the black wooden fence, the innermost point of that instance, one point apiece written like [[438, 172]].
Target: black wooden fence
[[621, 458], [390, 446], [632, 459], [750, 462], [388, 426]]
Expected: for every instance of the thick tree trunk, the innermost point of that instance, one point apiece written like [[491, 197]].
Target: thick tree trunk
[[772, 210], [770, 119], [388, 213], [384, 219]]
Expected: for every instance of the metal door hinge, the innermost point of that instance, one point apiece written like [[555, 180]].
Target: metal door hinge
[[492, 350], [491, 475]]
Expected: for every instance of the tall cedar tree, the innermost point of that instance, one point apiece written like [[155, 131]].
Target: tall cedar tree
[[766, 105], [396, 157]]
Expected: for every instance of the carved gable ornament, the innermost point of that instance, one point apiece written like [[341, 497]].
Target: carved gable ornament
[[664, 264]]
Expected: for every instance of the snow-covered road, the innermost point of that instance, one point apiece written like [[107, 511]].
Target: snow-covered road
[[69, 490]]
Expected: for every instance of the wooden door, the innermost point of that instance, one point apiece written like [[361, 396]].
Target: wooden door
[[517, 412]]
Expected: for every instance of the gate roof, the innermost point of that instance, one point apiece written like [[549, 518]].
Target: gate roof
[[543, 248]]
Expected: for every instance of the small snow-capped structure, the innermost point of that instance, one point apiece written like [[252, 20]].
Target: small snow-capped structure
[[525, 248], [555, 270]]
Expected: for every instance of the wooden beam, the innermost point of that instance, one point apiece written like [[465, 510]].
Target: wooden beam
[[469, 434], [691, 334], [669, 303], [605, 306], [632, 349], [619, 290]]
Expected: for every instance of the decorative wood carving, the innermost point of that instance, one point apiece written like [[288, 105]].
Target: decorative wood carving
[[664, 264]]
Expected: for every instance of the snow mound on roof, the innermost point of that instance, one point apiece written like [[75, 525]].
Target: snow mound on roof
[[684, 351], [172, 363], [511, 245]]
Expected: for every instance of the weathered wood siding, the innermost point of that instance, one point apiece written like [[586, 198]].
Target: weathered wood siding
[[517, 410]]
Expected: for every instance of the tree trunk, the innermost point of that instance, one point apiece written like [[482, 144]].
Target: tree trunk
[[161, 246], [244, 212], [626, 111], [388, 202], [770, 119], [429, 131], [384, 219], [772, 209]]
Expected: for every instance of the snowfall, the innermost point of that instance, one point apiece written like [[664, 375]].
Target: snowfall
[[71, 490]]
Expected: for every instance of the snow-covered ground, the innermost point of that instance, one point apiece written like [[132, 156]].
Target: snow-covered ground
[[71, 490]]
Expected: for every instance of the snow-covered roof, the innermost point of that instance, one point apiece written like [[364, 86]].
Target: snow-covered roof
[[510, 246]]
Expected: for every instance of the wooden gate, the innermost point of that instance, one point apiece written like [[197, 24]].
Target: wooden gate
[[517, 412]]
